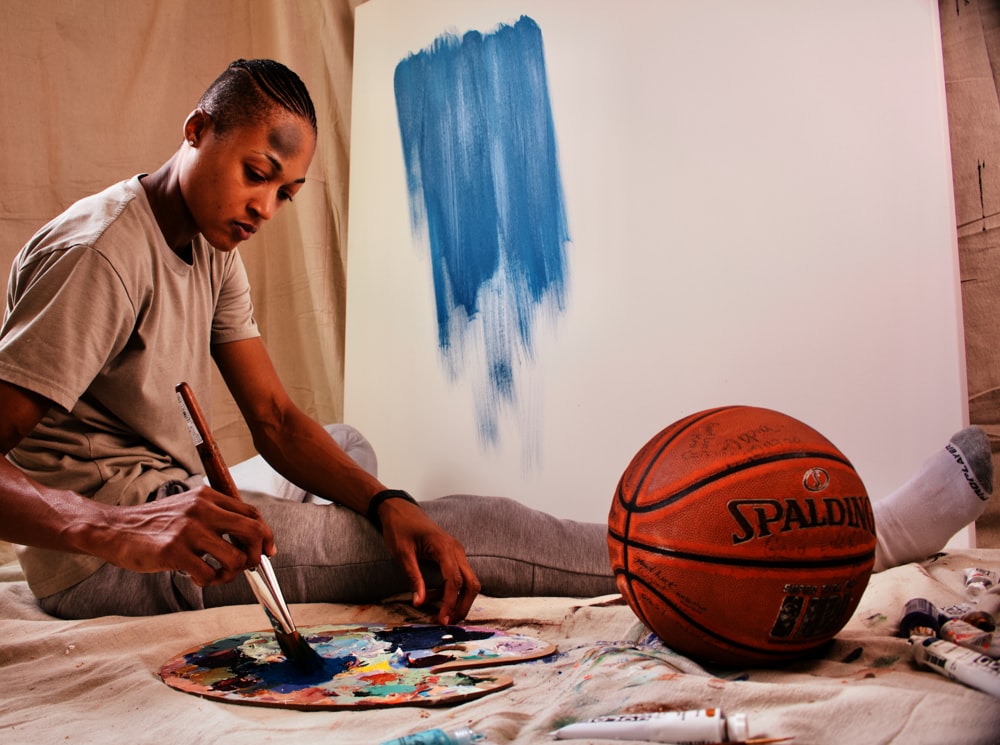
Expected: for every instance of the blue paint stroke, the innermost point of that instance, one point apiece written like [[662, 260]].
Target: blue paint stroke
[[483, 180]]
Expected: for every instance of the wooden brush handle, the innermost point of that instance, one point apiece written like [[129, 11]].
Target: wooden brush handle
[[211, 458], [262, 580]]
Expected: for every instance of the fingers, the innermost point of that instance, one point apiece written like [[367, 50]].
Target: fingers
[[204, 572], [410, 535], [208, 535], [454, 598], [238, 533], [408, 561], [217, 564], [461, 587]]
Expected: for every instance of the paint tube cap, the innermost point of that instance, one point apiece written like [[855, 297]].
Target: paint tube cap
[[466, 736], [737, 726], [981, 619], [920, 618], [975, 589]]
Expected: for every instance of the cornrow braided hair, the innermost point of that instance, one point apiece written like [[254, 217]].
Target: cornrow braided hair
[[250, 90]]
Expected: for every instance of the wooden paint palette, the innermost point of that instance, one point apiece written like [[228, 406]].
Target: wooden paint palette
[[366, 666]]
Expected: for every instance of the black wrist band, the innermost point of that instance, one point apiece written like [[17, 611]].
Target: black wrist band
[[379, 498]]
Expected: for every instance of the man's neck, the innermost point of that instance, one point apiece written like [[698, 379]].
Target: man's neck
[[171, 213]]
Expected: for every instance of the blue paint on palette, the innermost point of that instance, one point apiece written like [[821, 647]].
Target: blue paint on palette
[[245, 675], [483, 179]]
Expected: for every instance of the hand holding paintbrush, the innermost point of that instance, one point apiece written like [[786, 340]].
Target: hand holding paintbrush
[[262, 579]]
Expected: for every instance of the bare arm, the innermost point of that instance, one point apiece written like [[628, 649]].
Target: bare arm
[[295, 445], [303, 452], [169, 534]]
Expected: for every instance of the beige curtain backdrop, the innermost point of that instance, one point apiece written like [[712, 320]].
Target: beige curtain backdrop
[[95, 91]]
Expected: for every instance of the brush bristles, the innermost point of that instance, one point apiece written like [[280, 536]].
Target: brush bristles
[[298, 652]]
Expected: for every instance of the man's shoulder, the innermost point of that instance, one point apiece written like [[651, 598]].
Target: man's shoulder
[[86, 220]]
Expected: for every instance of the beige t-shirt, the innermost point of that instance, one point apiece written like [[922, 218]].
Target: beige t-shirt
[[104, 319]]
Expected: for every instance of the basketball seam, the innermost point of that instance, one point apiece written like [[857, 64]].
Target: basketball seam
[[772, 653], [730, 470], [645, 473], [744, 561]]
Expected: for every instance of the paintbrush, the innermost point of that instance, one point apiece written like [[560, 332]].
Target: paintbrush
[[261, 578]]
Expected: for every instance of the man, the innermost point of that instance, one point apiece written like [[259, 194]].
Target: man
[[134, 290]]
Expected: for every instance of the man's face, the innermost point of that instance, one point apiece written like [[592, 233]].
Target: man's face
[[233, 183]]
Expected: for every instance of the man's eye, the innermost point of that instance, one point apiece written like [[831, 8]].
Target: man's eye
[[284, 196], [254, 175]]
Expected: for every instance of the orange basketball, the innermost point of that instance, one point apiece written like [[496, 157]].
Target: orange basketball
[[739, 535]]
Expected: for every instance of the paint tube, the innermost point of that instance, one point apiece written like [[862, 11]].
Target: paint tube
[[464, 736], [965, 634], [920, 618], [958, 663], [978, 581], [981, 619], [687, 727]]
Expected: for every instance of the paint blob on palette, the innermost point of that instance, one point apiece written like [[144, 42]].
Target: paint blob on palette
[[365, 666]]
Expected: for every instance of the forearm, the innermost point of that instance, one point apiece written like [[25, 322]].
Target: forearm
[[172, 534], [304, 453], [35, 515]]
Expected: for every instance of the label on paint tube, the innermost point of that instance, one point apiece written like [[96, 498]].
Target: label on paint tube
[[964, 665], [964, 634], [694, 727]]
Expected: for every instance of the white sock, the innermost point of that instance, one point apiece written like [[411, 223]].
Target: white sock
[[948, 492]]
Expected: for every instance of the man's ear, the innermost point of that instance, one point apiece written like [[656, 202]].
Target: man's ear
[[196, 126]]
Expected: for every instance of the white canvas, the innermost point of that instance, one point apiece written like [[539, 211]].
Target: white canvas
[[760, 212]]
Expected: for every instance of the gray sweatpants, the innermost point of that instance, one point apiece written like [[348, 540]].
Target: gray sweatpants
[[328, 553]]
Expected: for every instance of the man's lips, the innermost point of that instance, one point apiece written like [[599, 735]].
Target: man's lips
[[245, 230]]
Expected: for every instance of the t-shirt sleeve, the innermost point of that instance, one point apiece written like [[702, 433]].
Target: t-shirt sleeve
[[233, 319], [65, 320]]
